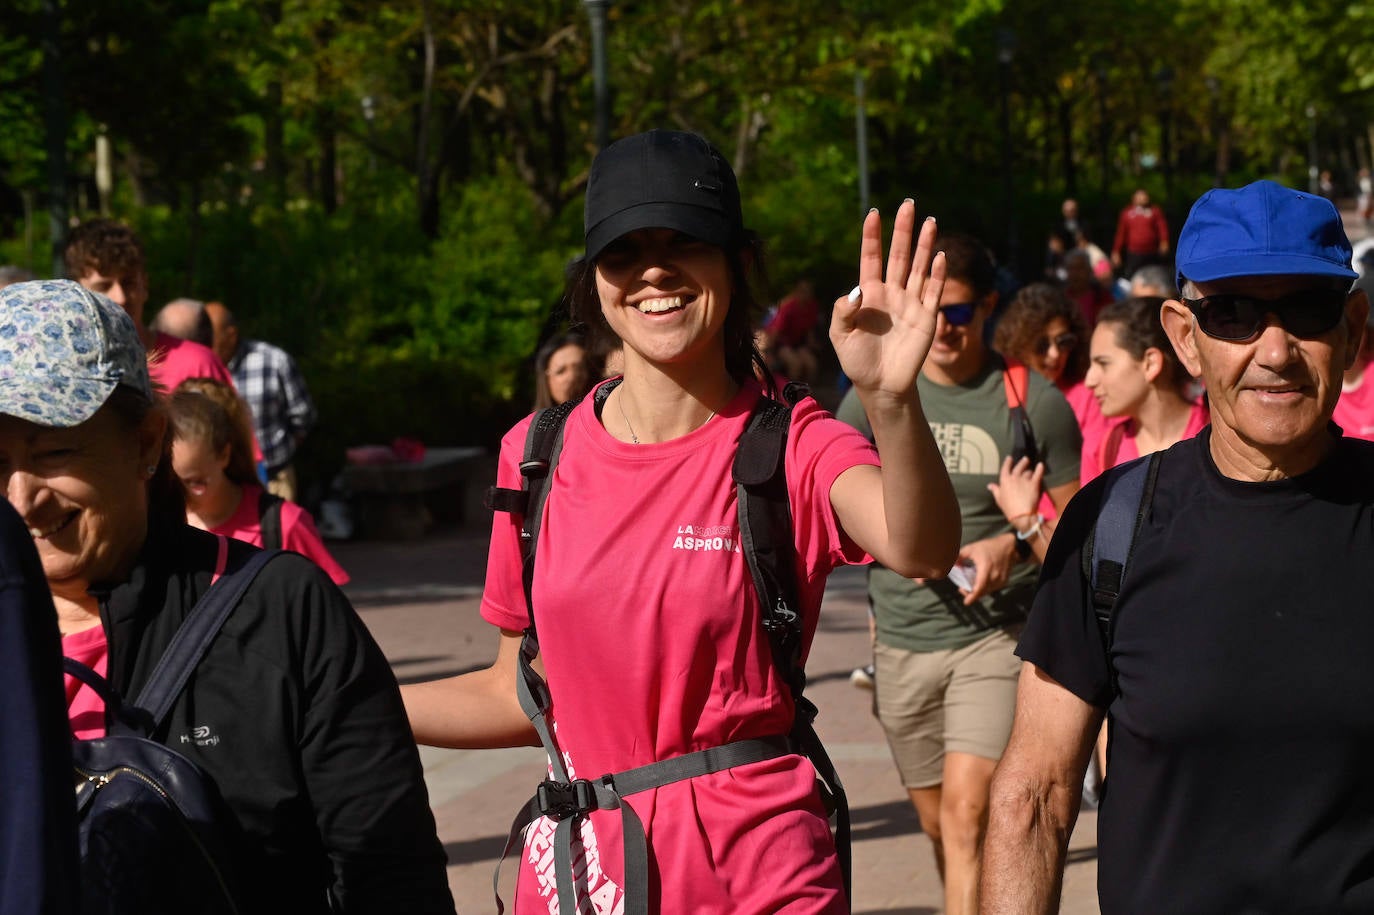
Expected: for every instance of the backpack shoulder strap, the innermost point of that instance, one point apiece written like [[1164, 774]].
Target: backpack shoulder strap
[[543, 445], [269, 519], [194, 636], [1016, 386], [1016, 383], [766, 539], [1126, 499]]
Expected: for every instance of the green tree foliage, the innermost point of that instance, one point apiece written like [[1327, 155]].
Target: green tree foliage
[[391, 190]]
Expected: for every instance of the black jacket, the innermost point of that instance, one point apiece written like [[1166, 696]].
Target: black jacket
[[295, 714], [37, 810]]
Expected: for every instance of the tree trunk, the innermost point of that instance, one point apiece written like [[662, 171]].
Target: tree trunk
[[327, 138], [1066, 144], [426, 177]]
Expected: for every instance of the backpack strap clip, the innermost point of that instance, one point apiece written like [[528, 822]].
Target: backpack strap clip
[[560, 800]]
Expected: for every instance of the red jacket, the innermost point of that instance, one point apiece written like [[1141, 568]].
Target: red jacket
[[1140, 230]]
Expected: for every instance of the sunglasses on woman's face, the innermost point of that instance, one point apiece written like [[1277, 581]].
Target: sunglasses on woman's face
[[958, 314], [1306, 313], [1062, 342]]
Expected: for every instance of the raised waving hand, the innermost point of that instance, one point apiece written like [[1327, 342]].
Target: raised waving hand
[[883, 333]]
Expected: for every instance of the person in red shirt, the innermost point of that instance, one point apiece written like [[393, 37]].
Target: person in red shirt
[[1142, 235], [1355, 409], [787, 342]]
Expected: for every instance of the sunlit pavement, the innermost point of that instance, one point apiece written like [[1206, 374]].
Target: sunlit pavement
[[420, 601]]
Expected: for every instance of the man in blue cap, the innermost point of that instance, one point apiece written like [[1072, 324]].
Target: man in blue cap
[[1236, 667]]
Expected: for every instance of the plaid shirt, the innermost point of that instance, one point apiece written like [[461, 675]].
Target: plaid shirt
[[282, 411]]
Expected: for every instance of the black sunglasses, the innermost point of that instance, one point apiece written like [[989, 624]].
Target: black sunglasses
[[1306, 313], [958, 314], [1062, 342]]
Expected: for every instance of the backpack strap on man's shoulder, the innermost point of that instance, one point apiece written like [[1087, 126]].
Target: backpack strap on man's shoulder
[[1126, 497]]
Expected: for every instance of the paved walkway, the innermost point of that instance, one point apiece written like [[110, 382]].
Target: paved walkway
[[420, 601]]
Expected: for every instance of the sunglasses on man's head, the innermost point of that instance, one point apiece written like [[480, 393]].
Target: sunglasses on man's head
[[1061, 342], [958, 314], [1306, 313]]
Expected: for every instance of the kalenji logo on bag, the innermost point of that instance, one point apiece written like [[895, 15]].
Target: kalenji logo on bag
[[716, 538]]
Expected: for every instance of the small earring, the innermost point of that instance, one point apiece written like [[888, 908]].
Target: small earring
[[152, 469]]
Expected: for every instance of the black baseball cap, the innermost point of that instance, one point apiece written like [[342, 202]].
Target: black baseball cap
[[662, 179]]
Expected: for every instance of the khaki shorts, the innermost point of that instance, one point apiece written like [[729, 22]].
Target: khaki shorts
[[957, 700]]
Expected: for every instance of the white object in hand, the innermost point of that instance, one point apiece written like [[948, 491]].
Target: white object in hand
[[963, 575]]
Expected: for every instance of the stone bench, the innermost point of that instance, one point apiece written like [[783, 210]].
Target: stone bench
[[403, 500]]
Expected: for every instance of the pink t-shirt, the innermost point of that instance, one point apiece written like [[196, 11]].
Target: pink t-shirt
[[298, 532], [85, 708], [1355, 409], [650, 632], [173, 360], [1128, 449]]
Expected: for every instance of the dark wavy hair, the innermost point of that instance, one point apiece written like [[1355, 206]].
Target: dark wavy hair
[[1026, 318], [1136, 328], [103, 246], [743, 360]]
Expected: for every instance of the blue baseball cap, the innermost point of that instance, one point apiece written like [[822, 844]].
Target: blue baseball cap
[[1262, 229], [63, 351]]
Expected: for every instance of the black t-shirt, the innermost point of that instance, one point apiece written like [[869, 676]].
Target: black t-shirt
[[1241, 767]]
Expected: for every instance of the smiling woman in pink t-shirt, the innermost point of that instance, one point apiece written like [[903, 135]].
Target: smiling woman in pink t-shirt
[[650, 630], [1140, 386]]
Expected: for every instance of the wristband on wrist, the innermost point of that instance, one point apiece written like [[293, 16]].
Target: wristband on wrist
[[1031, 531]]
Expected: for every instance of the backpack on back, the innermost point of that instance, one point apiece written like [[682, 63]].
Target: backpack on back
[[766, 539], [150, 830], [269, 519]]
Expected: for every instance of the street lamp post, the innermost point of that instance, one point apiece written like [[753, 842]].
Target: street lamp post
[[55, 123], [1218, 130], [861, 138], [369, 117], [1313, 174], [1006, 51], [1165, 78], [596, 12], [1100, 67]]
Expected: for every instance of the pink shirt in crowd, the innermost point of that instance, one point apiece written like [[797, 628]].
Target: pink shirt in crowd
[[85, 708], [649, 627], [1127, 449], [173, 360], [298, 532], [1355, 410]]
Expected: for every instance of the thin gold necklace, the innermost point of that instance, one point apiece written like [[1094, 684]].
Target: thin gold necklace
[[620, 402]]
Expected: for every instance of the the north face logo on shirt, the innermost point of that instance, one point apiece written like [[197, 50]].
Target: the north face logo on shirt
[[716, 538], [967, 449]]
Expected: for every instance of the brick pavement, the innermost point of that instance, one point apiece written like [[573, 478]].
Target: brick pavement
[[420, 601]]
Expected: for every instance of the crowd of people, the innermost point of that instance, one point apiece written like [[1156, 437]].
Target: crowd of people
[[146, 458]]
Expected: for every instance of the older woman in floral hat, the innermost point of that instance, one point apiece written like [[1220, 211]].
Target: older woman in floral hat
[[292, 713]]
